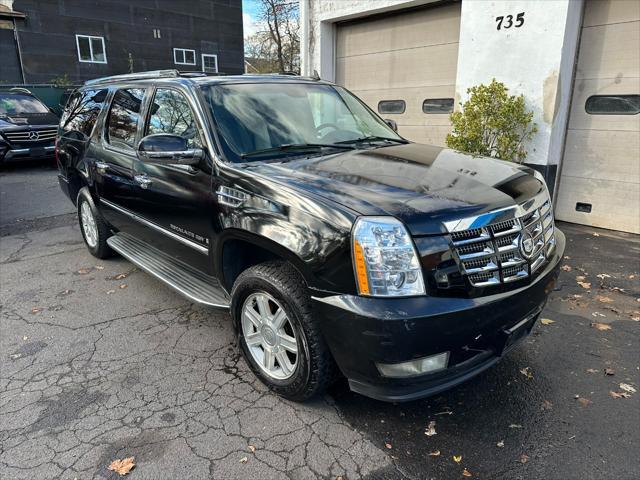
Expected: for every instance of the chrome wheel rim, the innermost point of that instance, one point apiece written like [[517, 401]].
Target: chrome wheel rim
[[88, 225], [269, 335]]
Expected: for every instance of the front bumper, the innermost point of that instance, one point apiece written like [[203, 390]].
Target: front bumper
[[32, 153], [362, 331]]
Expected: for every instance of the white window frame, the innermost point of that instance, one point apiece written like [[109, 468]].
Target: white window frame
[[90, 38], [183, 50], [209, 55]]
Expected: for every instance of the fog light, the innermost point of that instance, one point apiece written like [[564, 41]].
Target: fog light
[[412, 368]]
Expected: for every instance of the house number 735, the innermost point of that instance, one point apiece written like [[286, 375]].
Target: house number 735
[[508, 21]]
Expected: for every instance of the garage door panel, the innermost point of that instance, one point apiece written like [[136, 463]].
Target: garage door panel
[[429, 136], [599, 12], [605, 155], [583, 89], [614, 204], [430, 66], [610, 51], [413, 97], [416, 28]]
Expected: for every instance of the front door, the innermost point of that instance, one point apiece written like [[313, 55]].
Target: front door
[[175, 200], [114, 160]]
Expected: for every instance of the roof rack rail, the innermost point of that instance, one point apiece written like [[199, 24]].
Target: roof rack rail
[[135, 76], [16, 89]]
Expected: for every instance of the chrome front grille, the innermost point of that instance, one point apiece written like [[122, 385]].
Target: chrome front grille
[[24, 136], [505, 245]]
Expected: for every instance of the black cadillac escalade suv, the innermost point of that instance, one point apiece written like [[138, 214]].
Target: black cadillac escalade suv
[[335, 244], [27, 126]]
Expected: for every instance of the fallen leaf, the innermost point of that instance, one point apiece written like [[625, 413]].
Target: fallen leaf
[[580, 278], [109, 292], [527, 373], [84, 271], [431, 429], [585, 285], [388, 445], [252, 448], [243, 460], [37, 309], [547, 321], [627, 388], [567, 257], [592, 370], [466, 473], [515, 425], [339, 477], [609, 371], [603, 299], [596, 234], [566, 268], [457, 458], [435, 453], [500, 444], [122, 286], [120, 276], [122, 467], [99, 267], [601, 326], [547, 405], [619, 394], [598, 314], [584, 401], [524, 458]]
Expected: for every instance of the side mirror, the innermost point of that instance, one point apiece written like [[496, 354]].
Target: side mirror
[[168, 149], [392, 124]]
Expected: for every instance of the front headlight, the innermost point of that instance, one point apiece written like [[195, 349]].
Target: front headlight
[[385, 260]]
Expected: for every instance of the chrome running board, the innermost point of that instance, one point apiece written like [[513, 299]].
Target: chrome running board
[[188, 281]]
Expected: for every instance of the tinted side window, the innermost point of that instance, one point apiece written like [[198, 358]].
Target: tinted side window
[[391, 106], [171, 113], [82, 111], [124, 116], [437, 105], [613, 105]]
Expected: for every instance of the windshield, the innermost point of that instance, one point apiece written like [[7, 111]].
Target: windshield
[[13, 104], [264, 117]]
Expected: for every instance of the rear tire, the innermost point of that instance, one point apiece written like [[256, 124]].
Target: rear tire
[[94, 229], [268, 341]]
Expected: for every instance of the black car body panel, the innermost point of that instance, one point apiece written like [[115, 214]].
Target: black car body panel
[[221, 217]]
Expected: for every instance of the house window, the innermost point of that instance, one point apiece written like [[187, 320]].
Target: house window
[[183, 56], [391, 106], [91, 49], [437, 105], [613, 105], [209, 63]]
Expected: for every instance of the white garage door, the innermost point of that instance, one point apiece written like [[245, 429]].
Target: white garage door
[[600, 178], [401, 60]]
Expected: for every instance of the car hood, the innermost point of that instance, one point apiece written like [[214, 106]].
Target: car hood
[[21, 120], [421, 185]]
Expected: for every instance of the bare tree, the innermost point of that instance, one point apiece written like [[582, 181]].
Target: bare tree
[[276, 47]]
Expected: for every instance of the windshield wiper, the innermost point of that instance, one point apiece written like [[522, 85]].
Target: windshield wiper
[[373, 138], [295, 147]]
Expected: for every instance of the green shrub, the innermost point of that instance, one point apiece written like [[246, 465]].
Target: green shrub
[[492, 123]]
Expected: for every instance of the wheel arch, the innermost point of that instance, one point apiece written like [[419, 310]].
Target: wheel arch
[[238, 250]]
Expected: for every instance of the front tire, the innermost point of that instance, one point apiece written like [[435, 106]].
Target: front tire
[[279, 338], [94, 229]]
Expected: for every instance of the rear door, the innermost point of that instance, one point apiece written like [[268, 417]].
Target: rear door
[[114, 160], [175, 200]]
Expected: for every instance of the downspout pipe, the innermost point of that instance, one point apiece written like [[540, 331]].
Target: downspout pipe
[[17, 39], [305, 68]]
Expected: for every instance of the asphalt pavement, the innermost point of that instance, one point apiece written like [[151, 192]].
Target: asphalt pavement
[[99, 361]]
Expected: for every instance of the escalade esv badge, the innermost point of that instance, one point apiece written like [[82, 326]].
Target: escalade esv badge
[[337, 247]]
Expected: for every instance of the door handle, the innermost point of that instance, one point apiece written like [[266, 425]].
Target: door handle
[[143, 180], [102, 167]]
